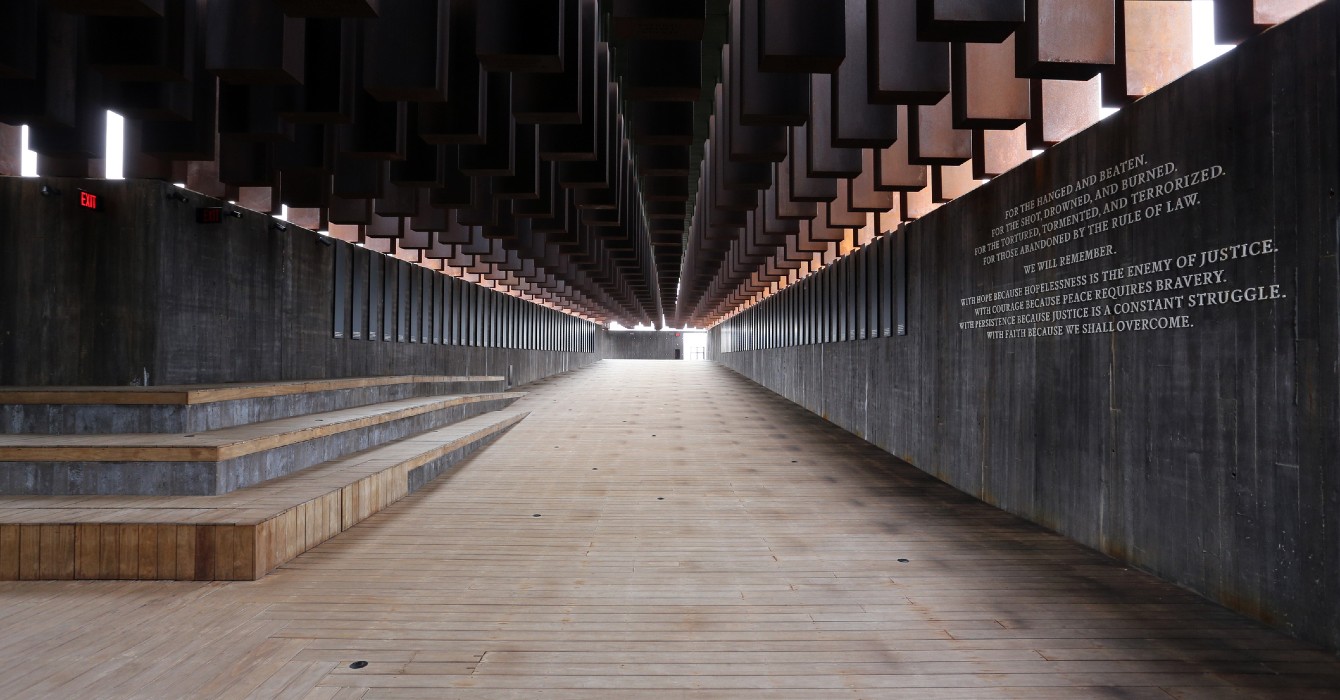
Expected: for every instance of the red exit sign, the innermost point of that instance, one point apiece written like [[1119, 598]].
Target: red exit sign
[[209, 215], [88, 200]]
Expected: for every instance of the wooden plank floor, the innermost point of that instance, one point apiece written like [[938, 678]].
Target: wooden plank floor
[[697, 537]]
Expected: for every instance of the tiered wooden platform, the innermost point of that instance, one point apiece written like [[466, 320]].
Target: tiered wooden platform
[[245, 533], [699, 538]]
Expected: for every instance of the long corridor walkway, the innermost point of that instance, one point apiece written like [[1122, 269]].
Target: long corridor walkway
[[662, 530]]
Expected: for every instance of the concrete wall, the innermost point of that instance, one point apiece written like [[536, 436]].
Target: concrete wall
[[1205, 453], [139, 289], [641, 345]]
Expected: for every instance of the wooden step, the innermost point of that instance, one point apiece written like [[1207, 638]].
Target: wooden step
[[238, 536], [197, 408], [222, 460]]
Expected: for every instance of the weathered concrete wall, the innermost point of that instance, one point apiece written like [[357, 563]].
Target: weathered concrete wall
[[642, 345], [140, 289], [1206, 453]]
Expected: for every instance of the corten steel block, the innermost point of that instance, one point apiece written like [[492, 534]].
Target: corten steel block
[[949, 182], [1235, 21], [557, 98], [11, 150], [995, 151], [862, 193], [787, 206], [505, 44], [51, 96], [496, 156], [987, 94], [918, 204], [765, 98], [968, 20], [20, 38], [384, 227], [350, 212], [261, 199], [857, 122], [461, 119], [823, 158], [932, 138], [144, 48], [119, 8], [805, 188], [839, 213], [1062, 108], [749, 143], [1067, 39], [894, 170], [330, 8], [253, 42], [405, 51], [663, 70], [901, 68], [1157, 51], [661, 123], [378, 133], [652, 19], [800, 36]]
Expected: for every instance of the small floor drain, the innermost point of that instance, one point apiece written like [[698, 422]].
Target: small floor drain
[[358, 664]]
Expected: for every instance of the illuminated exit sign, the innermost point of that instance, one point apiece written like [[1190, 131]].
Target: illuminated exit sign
[[209, 215], [88, 200]]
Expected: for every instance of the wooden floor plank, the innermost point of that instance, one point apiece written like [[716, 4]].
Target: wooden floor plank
[[697, 537]]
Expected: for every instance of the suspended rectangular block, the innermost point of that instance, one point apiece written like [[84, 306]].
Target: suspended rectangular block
[[968, 20], [747, 143], [252, 42], [331, 8], [800, 36], [932, 138], [246, 163], [654, 19], [524, 182], [378, 130], [1062, 108], [765, 98], [111, 8], [1067, 39], [145, 48], [987, 94], [995, 152], [857, 121], [862, 192], [902, 68], [358, 177], [544, 98], [822, 158], [52, 97], [405, 51], [327, 95], [662, 70], [506, 43], [21, 30], [350, 211]]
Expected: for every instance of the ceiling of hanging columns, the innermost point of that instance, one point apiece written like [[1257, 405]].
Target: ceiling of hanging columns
[[638, 161]]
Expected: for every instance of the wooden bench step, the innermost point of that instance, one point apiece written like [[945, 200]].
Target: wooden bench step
[[221, 460], [238, 536], [198, 408]]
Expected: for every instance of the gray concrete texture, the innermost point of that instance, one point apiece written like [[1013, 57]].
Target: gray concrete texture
[[75, 419], [641, 345], [139, 291], [1205, 454], [211, 478]]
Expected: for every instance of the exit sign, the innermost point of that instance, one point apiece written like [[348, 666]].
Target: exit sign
[[88, 200], [209, 215]]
